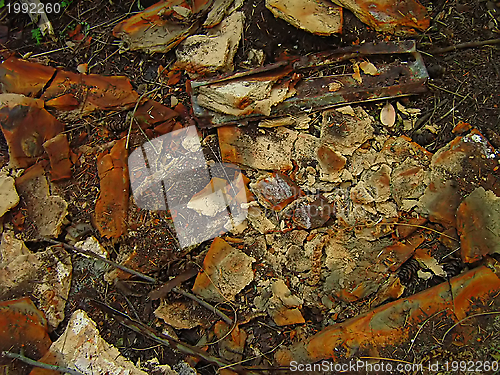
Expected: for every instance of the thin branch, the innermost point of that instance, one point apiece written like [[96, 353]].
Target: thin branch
[[255, 357], [456, 47], [91, 254], [223, 316], [445, 90], [161, 338], [46, 366], [49, 52], [420, 329], [451, 110], [422, 227]]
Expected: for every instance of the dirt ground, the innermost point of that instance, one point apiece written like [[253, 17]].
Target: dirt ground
[[464, 86]]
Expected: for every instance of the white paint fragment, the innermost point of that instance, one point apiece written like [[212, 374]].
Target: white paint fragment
[[81, 347], [8, 194]]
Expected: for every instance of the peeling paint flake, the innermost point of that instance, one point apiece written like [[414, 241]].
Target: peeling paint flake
[[226, 271], [81, 346], [23, 328], [394, 16], [67, 91], [26, 125], [46, 212], [478, 222], [206, 54], [111, 206], [269, 149], [160, 27], [319, 17], [20, 274]]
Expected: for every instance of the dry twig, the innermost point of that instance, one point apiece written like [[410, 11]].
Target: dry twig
[[161, 338], [456, 47], [466, 318], [46, 366]]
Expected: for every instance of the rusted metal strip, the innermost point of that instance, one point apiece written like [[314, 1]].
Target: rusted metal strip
[[315, 93]]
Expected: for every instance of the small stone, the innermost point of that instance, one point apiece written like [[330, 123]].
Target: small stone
[[275, 191]]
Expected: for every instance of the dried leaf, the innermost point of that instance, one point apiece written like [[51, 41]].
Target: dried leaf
[[82, 68], [407, 111], [428, 262], [432, 128], [369, 68], [388, 115], [356, 75]]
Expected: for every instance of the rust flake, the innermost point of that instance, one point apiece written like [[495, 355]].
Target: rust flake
[[112, 204]]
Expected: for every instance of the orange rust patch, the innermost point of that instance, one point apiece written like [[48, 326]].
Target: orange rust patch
[[158, 12], [443, 207], [68, 91], [226, 271], [395, 323], [165, 127], [277, 190], [59, 156], [330, 160], [411, 171], [411, 226], [400, 252], [160, 27], [152, 112], [26, 125], [478, 222], [23, 327], [24, 77], [91, 91], [461, 127], [111, 206], [227, 136], [394, 16]]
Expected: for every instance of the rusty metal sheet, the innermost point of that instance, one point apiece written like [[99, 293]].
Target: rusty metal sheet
[[162, 26], [400, 17], [315, 93], [350, 52], [392, 325]]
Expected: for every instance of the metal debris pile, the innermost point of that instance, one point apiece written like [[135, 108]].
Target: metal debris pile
[[278, 198]]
